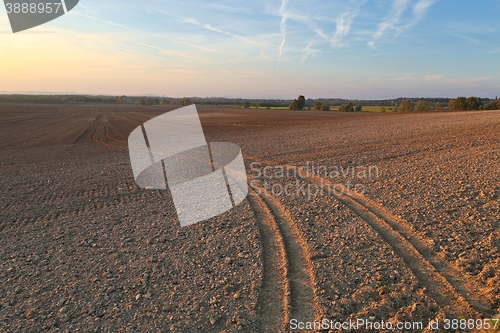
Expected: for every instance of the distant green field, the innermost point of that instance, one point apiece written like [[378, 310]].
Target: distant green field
[[378, 109]]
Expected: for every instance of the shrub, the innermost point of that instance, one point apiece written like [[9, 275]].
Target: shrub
[[406, 106], [462, 103], [347, 107], [421, 105]]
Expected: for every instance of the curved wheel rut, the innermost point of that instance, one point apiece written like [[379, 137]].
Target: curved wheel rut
[[285, 257], [272, 304], [439, 277]]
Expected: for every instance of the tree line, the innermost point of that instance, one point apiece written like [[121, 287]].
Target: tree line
[[300, 104], [156, 101], [405, 105], [473, 103]]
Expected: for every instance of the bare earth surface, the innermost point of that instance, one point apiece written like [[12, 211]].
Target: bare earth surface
[[83, 249]]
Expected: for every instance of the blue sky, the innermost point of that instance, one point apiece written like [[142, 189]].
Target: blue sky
[[261, 49]]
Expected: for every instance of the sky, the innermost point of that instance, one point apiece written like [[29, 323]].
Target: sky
[[355, 49]]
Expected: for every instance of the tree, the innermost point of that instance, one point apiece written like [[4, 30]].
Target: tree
[[458, 103], [246, 105], [493, 105], [185, 101], [325, 107], [301, 102], [142, 101], [294, 105], [347, 107], [317, 106], [462, 103], [358, 108], [382, 109], [406, 106], [473, 103], [439, 106], [421, 105]]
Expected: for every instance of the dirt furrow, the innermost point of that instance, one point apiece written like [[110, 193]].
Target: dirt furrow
[[437, 285], [440, 279], [466, 288], [302, 301], [272, 305]]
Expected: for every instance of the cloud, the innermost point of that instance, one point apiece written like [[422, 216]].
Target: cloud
[[142, 32], [313, 15], [393, 19], [230, 9], [470, 39], [398, 8], [433, 77], [170, 52], [492, 52], [284, 17], [407, 77], [209, 27], [304, 19], [421, 7], [343, 24], [309, 52]]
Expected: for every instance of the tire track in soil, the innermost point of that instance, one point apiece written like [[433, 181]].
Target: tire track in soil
[[272, 303], [467, 289], [81, 136], [285, 255], [439, 277]]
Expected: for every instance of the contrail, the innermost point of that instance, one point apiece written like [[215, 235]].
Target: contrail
[[283, 28]]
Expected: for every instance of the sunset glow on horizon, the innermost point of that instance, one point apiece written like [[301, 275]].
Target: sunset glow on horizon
[[359, 49]]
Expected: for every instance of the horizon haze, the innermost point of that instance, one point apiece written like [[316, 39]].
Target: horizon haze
[[376, 49]]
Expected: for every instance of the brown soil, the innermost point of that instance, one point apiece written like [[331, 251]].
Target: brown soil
[[82, 248]]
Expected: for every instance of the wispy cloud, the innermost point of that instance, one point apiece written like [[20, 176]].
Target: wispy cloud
[[209, 27], [470, 39], [312, 16], [421, 8], [407, 77], [142, 32], [284, 17], [307, 20], [230, 9], [492, 51], [170, 52], [398, 8], [433, 77], [343, 24], [393, 20], [309, 52]]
